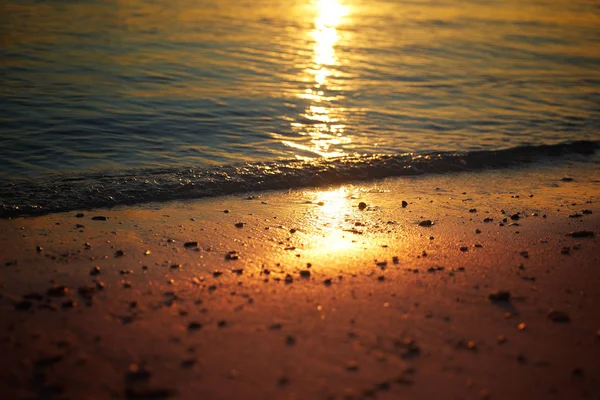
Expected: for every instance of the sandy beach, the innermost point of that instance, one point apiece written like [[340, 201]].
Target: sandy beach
[[456, 286]]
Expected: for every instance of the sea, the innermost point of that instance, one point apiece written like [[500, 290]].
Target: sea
[[114, 102]]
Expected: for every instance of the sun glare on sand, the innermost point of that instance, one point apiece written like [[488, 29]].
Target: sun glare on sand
[[327, 221]]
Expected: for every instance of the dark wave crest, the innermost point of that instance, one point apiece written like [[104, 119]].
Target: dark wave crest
[[22, 197]]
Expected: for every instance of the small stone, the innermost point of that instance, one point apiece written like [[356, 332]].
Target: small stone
[[464, 249], [426, 223], [95, 271], [188, 245], [381, 278], [581, 234], [292, 230], [99, 218], [226, 211], [404, 204], [119, 253], [289, 278], [587, 212], [216, 274], [23, 305], [38, 248], [290, 340], [522, 326], [477, 231], [57, 291], [126, 284], [79, 215], [69, 304], [362, 205], [194, 326], [327, 282], [515, 217], [473, 210], [305, 273], [559, 316], [239, 224], [500, 296], [352, 366], [232, 255]]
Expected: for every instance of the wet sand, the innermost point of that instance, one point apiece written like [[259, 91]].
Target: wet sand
[[310, 294]]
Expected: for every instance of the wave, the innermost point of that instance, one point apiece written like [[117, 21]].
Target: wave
[[60, 193]]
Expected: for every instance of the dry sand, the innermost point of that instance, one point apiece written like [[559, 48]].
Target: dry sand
[[320, 299]]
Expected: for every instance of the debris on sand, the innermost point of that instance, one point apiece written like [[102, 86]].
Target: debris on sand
[[426, 223], [99, 218], [559, 316], [404, 204], [362, 205], [239, 224], [232, 255], [189, 245], [581, 234], [500, 296]]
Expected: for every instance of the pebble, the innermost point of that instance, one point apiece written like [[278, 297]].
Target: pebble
[[559, 316], [352, 366], [289, 278], [79, 215], [404, 204], [119, 253], [581, 234], [305, 274], [99, 218], [226, 211], [38, 248], [190, 244], [57, 291], [327, 282], [194, 326], [473, 210], [500, 296], [515, 217], [232, 255], [239, 224], [362, 205], [426, 223], [290, 340]]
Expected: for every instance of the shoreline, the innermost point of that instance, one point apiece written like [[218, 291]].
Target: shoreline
[[388, 308]]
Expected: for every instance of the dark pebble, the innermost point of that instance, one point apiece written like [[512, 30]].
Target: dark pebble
[[194, 326], [464, 249], [473, 210], [38, 248], [232, 255], [190, 244], [305, 274], [239, 224], [426, 223], [362, 205], [57, 291], [559, 316], [226, 211], [99, 218], [566, 179], [404, 204], [327, 282], [79, 215], [515, 217], [119, 253], [500, 296], [587, 212], [290, 340], [69, 304], [95, 271], [217, 273], [581, 234], [289, 278], [23, 305]]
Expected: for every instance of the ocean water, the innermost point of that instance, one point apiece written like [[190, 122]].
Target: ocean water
[[102, 102]]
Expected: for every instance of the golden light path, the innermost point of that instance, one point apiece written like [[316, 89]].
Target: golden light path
[[322, 121]]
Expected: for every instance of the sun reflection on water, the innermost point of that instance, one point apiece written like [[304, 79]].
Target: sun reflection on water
[[322, 120]]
